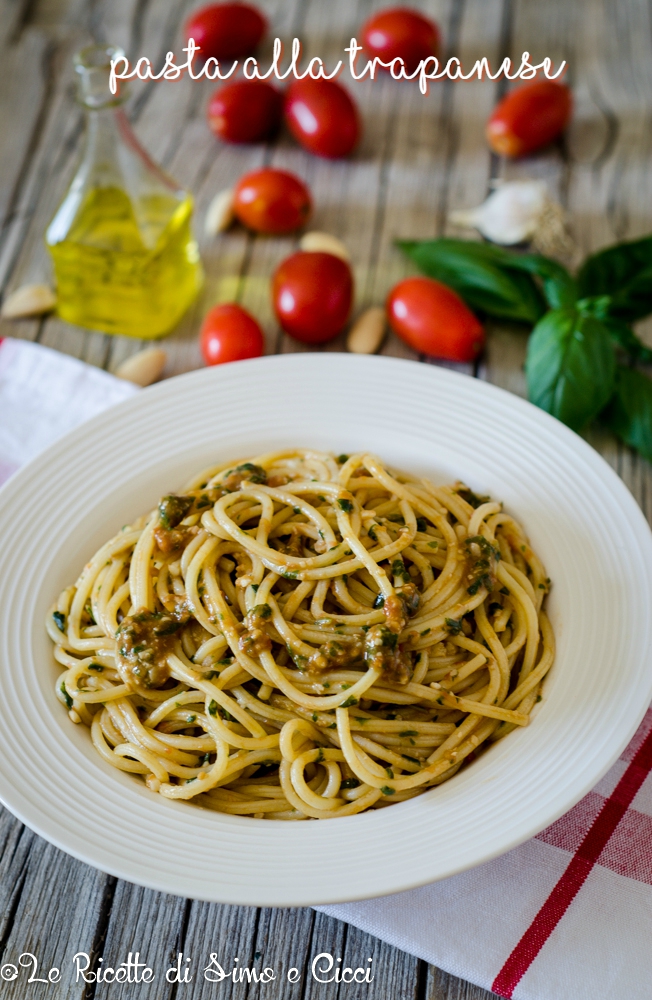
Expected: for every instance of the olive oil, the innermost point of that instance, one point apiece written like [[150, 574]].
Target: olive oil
[[125, 259], [126, 268]]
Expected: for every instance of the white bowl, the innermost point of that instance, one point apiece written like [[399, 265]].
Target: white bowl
[[581, 520]]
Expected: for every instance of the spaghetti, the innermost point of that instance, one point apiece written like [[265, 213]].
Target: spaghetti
[[298, 636]]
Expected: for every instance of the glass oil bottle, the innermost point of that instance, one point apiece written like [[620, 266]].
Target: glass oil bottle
[[125, 258]]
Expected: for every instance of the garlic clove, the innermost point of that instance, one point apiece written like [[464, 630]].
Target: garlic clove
[[366, 334], [317, 242], [510, 214], [144, 367], [28, 300], [219, 214]]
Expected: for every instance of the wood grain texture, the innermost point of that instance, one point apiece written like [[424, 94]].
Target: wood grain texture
[[420, 157]]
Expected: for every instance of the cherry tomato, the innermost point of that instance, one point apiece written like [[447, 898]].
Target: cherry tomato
[[272, 201], [245, 111], [321, 116], [226, 30], [230, 333], [432, 319], [312, 295], [529, 117], [399, 32]]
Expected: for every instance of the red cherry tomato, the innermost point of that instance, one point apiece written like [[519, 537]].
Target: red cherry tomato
[[230, 333], [312, 295], [529, 117], [432, 319], [321, 116], [245, 111], [272, 201], [401, 33], [226, 30]]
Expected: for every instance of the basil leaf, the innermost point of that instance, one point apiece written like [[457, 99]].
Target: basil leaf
[[621, 332], [624, 272], [559, 287], [625, 337], [629, 414], [570, 366], [476, 272]]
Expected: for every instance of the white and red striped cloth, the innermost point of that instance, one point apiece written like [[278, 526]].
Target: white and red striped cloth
[[566, 916]]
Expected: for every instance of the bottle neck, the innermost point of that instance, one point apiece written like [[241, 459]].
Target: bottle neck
[[100, 160]]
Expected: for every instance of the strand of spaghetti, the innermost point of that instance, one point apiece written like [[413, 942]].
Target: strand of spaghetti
[[103, 592], [365, 769], [205, 558], [264, 495], [279, 680], [230, 631], [107, 754], [204, 780], [541, 669], [414, 500], [110, 611], [288, 635], [124, 718], [366, 558], [212, 692], [457, 676], [519, 594], [364, 802], [124, 540], [479, 515], [140, 581], [439, 621], [499, 656], [164, 709], [146, 757], [296, 599], [298, 780], [378, 555], [451, 700]]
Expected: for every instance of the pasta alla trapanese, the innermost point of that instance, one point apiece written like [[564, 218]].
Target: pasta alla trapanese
[[298, 636]]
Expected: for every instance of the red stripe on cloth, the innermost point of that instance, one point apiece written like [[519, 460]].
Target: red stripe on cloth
[[576, 874], [569, 830]]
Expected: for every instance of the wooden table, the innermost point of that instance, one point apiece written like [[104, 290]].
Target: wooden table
[[420, 157]]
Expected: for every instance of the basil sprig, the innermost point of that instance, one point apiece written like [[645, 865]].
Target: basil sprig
[[582, 329]]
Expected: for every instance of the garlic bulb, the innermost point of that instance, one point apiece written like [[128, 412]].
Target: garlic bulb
[[516, 212]]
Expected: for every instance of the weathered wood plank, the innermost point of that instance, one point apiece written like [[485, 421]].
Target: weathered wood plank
[[227, 932], [23, 107], [395, 974], [328, 937], [54, 912], [283, 940], [150, 923], [15, 845], [442, 986]]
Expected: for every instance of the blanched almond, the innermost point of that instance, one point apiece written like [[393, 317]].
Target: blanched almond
[[29, 300], [366, 334], [316, 242], [219, 214], [143, 368]]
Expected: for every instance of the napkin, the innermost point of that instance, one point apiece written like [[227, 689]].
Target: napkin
[[44, 394], [565, 916]]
